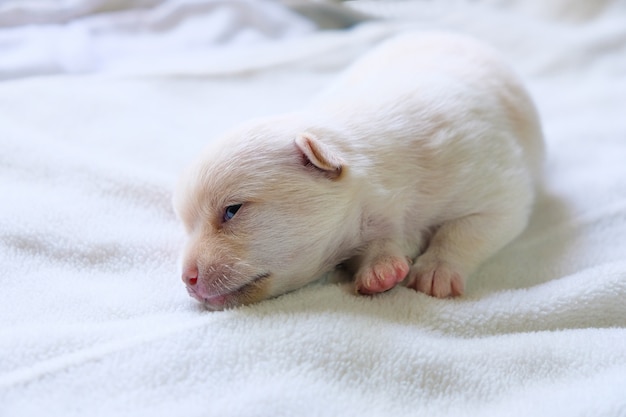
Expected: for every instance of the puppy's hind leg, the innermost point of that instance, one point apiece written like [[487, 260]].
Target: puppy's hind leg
[[381, 266], [459, 246]]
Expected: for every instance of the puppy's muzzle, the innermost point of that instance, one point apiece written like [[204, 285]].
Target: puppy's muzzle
[[217, 289]]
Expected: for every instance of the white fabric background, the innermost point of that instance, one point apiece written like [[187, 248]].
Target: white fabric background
[[103, 103]]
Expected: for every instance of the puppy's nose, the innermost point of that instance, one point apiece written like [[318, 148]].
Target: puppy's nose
[[190, 276]]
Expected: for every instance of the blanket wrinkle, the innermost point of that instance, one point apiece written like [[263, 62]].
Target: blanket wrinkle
[[95, 35], [104, 102]]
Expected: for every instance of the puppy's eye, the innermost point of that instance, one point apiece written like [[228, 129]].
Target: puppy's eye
[[230, 212]]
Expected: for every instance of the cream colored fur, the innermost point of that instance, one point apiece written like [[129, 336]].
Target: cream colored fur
[[417, 165]]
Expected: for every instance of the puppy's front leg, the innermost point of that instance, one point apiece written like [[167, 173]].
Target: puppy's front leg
[[458, 247], [381, 266]]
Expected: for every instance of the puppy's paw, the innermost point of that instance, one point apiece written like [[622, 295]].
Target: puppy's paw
[[436, 278], [382, 275]]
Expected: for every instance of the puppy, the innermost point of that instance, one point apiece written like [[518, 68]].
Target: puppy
[[417, 165]]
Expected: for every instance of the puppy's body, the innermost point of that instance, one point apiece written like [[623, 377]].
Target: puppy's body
[[416, 165]]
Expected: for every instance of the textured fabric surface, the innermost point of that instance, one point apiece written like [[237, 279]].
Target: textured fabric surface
[[95, 321]]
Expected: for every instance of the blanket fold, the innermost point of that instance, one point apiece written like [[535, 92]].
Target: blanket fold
[[103, 103]]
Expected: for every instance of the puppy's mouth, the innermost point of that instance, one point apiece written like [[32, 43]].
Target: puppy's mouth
[[247, 293]]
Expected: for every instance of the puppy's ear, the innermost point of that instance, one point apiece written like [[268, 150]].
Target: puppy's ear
[[315, 153]]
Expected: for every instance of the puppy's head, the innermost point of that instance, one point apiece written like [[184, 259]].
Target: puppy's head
[[263, 208]]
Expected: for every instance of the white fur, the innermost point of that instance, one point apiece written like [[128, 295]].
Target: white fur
[[416, 165]]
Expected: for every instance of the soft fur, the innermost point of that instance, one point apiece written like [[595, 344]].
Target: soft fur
[[418, 164]]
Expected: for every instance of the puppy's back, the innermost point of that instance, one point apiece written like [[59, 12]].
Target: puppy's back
[[436, 72]]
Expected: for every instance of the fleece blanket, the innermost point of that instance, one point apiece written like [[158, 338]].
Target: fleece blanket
[[102, 104]]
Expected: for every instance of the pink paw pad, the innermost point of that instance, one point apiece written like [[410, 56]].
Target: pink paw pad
[[382, 276], [439, 281]]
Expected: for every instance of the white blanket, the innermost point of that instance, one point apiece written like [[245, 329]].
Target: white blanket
[[94, 320]]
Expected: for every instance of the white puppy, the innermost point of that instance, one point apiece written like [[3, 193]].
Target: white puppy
[[416, 166]]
